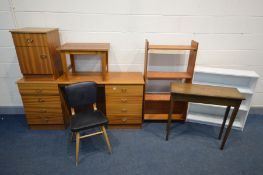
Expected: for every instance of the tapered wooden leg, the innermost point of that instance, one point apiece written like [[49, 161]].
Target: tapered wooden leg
[[106, 138], [77, 147], [232, 119], [224, 122], [169, 117]]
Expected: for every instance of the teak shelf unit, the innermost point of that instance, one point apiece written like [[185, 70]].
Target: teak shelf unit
[[156, 105]]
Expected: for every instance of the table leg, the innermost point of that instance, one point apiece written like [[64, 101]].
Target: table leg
[[169, 116], [232, 119], [107, 61], [64, 64], [103, 65], [72, 61], [224, 122]]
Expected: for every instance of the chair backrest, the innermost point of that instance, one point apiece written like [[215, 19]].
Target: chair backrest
[[81, 94]]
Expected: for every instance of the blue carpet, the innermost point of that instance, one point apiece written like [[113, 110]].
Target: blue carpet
[[191, 149]]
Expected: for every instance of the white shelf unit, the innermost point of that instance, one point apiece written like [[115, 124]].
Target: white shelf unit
[[244, 81]]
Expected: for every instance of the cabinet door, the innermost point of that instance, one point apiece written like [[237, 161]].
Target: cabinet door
[[34, 60]]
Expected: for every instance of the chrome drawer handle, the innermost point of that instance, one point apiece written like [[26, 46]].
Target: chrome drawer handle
[[29, 40], [124, 119], [41, 100], [43, 56], [124, 110]]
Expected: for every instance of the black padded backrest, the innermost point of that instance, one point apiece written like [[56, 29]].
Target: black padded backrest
[[81, 94]]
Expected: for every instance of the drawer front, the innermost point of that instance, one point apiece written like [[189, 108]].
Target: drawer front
[[41, 101], [128, 119], [124, 90], [32, 39], [35, 118], [135, 109], [38, 89], [123, 100], [43, 110], [34, 60]]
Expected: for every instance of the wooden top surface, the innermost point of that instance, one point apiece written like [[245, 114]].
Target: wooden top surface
[[84, 47], [171, 47], [111, 78], [206, 91], [33, 30]]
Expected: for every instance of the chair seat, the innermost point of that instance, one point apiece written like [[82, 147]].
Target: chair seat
[[87, 119]]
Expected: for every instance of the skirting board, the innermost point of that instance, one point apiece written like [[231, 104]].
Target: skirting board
[[20, 110]]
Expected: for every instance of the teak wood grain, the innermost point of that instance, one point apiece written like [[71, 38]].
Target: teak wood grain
[[42, 88], [187, 76], [84, 47], [124, 109], [72, 49], [36, 52], [34, 60], [124, 119], [126, 90], [41, 101]]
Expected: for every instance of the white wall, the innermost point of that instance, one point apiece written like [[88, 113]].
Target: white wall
[[229, 32]]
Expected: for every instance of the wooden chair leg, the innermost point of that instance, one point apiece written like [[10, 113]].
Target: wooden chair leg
[[77, 147], [106, 138]]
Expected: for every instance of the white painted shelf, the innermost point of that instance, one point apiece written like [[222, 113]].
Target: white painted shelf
[[245, 81]]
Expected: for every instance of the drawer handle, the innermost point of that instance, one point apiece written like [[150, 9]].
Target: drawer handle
[[43, 110], [38, 91], [43, 56], [124, 100], [114, 88], [124, 110], [123, 90], [29, 40], [41, 100], [124, 119]]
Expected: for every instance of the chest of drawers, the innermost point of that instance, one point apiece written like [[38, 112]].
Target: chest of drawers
[[42, 105], [124, 104], [36, 52]]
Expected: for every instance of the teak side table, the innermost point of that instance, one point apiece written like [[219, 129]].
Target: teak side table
[[72, 49], [216, 95]]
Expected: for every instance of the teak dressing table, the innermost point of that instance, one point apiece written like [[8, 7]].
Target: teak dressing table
[[120, 97]]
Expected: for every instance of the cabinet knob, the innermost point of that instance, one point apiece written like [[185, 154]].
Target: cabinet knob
[[29, 40], [124, 119], [41, 100], [43, 56], [124, 100], [124, 110]]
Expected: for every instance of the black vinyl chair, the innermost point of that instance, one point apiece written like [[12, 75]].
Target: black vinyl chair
[[84, 94]]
